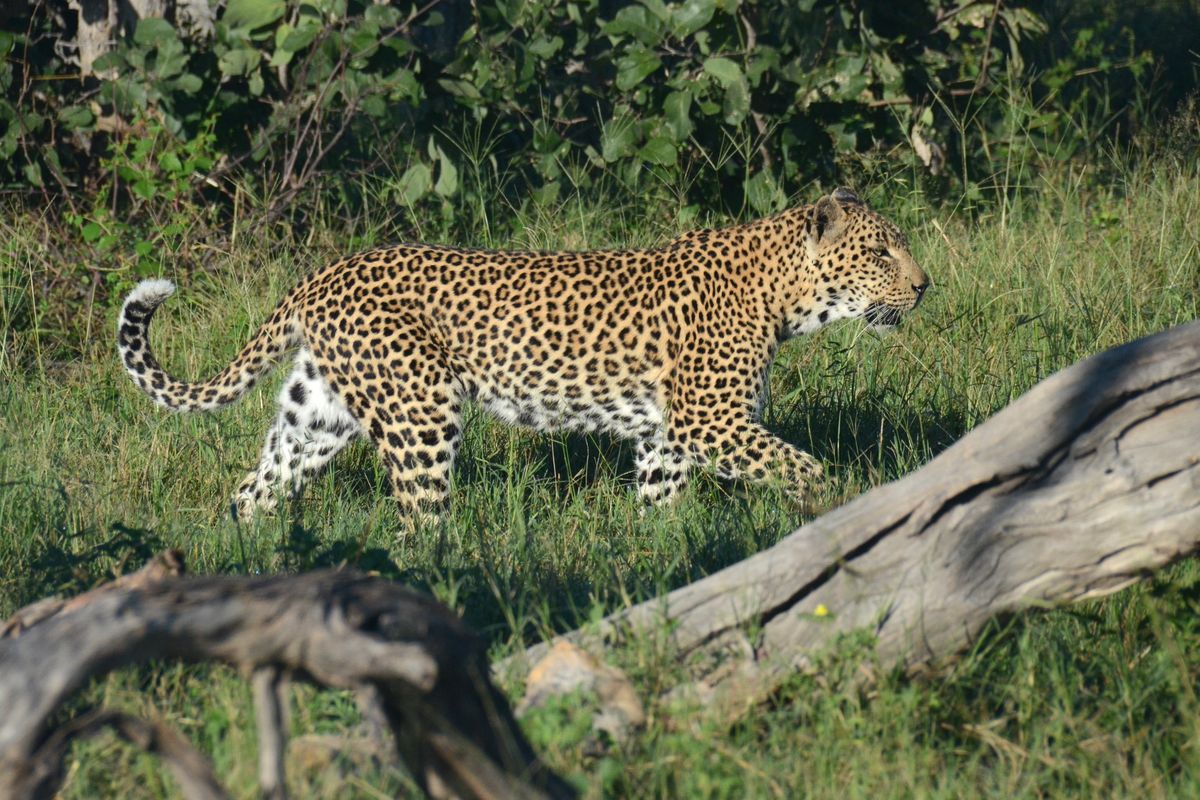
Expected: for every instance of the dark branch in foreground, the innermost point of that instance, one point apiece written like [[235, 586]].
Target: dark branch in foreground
[[1082, 486], [412, 662]]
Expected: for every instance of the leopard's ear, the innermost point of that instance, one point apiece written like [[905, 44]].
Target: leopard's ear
[[844, 195], [829, 220]]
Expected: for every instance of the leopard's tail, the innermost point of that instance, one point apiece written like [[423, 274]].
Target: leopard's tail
[[277, 335]]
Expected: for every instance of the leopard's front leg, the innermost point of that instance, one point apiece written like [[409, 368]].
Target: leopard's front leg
[[714, 422], [742, 449]]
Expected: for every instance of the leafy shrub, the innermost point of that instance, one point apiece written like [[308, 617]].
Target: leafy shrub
[[756, 96]]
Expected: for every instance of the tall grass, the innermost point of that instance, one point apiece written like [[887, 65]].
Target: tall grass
[[544, 532]]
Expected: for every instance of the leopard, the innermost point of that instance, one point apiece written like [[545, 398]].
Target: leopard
[[669, 347]]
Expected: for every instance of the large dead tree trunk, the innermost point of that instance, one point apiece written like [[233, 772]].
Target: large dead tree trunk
[[416, 668], [1080, 487]]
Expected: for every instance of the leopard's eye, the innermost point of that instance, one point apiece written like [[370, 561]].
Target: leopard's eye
[[881, 252]]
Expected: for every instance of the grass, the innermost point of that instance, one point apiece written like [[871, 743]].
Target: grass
[[544, 532]]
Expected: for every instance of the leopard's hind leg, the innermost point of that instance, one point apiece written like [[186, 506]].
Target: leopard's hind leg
[[408, 400], [311, 427], [662, 471]]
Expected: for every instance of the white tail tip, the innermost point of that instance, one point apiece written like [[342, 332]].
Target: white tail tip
[[150, 292]]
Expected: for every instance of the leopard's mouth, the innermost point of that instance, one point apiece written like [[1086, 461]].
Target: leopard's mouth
[[883, 317]]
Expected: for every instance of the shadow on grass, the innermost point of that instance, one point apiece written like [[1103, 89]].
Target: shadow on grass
[[869, 435], [533, 593], [487, 595], [64, 568], [872, 438], [566, 462]]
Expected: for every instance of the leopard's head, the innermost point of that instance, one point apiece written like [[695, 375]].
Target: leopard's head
[[861, 265]]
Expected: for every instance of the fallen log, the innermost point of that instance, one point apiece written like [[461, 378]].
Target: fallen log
[[1085, 484], [416, 668]]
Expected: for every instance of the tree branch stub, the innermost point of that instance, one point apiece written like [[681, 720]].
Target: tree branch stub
[[409, 658]]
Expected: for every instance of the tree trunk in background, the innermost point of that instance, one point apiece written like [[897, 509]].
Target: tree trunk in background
[[96, 32], [102, 22], [1080, 487]]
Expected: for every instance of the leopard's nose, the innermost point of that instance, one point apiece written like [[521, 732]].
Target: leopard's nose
[[920, 288]]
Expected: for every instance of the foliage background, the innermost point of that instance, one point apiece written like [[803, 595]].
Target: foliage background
[[733, 105]]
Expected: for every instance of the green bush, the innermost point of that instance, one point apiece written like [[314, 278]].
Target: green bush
[[734, 102]]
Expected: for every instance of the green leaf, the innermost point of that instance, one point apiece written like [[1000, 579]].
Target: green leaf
[[725, 70], [91, 232], [415, 183], [737, 101], [188, 84], [374, 105], [248, 15], [76, 117], [241, 61], [637, 22], [544, 48], [691, 17], [658, 8], [447, 182], [844, 138], [766, 59], [763, 193], [633, 68], [660, 151], [143, 248], [546, 139], [281, 57], [618, 139], [153, 31], [460, 88], [547, 193], [129, 96], [363, 41], [136, 57], [299, 38], [404, 85], [676, 108], [382, 15], [110, 60], [170, 163], [170, 59]]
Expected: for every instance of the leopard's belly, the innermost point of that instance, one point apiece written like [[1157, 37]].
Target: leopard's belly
[[629, 412]]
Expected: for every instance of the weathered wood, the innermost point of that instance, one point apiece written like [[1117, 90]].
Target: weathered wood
[[270, 711], [410, 659], [1080, 487], [38, 778]]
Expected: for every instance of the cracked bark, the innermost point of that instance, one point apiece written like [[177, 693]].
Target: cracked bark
[[417, 669], [1080, 487]]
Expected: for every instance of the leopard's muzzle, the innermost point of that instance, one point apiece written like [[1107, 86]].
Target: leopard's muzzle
[[883, 317]]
